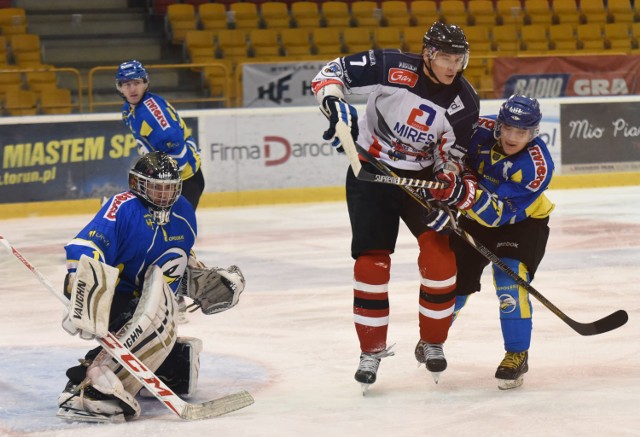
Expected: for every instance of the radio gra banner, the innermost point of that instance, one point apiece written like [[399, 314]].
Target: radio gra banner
[[560, 76]]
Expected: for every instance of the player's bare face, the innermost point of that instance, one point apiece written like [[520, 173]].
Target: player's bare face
[[445, 66], [133, 90], [513, 139]]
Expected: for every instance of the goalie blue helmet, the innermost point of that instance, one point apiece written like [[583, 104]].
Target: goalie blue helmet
[[131, 70], [520, 111]]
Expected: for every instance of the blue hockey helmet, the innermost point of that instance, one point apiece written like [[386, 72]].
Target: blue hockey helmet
[[522, 112], [131, 70]]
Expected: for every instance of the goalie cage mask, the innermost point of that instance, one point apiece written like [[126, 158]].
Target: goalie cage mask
[[155, 180]]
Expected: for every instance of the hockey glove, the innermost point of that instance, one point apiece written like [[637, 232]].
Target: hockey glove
[[337, 109], [437, 220], [460, 191]]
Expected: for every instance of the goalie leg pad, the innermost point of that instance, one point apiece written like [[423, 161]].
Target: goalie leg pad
[[151, 332], [181, 368]]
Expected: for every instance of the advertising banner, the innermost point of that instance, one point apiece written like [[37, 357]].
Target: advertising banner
[[251, 150], [599, 137], [560, 76], [66, 160]]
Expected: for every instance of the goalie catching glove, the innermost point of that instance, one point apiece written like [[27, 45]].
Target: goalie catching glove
[[214, 289]]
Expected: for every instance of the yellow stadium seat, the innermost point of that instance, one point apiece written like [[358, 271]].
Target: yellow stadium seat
[[485, 88], [295, 42], [535, 38], [453, 12], [4, 51], [566, 12], [264, 43], [232, 44], [617, 37], [213, 16], [620, 11], [21, 102], [39, 80], [538, 12], [305, 14], [199, 44], [244, 15], [593, 11], [365, 13], [479, 40], [506, 39], [180, 19], [509, 12], [590, 37], [424, 13], [56, 101], [356, 39], [335, 14], [275, 15], [562, 37], [395, 13], [326, 42], [481, 13], [25, 48], [13, 21], [387, 38], [412, 38]]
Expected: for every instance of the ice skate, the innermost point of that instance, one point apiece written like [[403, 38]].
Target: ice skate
[[432, 356], [83, 404], [368, 367], [511, 369]]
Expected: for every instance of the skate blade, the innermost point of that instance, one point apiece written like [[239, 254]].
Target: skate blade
[[86, 416], [436, 376], [508, 384], [364, 388]]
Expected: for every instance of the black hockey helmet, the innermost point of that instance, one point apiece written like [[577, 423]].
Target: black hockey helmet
[[446, 38], [156, 180]]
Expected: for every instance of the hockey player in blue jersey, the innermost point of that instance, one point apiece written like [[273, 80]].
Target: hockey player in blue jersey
[[137, 251], [510, 217], [156, 125]]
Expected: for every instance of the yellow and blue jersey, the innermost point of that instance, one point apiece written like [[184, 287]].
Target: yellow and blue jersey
[[124, 235], [156, 125], [511, 188]]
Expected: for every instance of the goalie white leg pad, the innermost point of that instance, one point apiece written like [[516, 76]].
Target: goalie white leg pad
[[151, 332], [181, 368], [103, 400]]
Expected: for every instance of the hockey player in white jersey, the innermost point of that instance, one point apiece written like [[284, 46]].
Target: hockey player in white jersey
[[418, 119], [131, 261]]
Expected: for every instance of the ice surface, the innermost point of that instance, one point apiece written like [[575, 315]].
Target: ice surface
[[291, 341]]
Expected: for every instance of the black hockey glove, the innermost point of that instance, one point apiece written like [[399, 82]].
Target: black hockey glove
[[337, 109]]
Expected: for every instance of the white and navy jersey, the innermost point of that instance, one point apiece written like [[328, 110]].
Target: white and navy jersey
[[124, 235], [511, 188], [410, 122], [156, 125]]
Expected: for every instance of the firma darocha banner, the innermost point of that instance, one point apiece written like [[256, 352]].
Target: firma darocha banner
[[560, 76], [65, 160]]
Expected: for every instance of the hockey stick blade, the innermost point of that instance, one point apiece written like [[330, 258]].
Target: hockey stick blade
[[138, 370], [606, 324]]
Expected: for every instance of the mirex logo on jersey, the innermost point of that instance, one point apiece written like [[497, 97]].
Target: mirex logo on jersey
[[157, 113], [403, 77]]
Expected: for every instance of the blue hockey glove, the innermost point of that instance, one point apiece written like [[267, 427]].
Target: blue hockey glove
[[337, 109], [437, 220]]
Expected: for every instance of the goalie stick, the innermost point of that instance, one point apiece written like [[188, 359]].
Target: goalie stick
[[147, 378], [606, 324]]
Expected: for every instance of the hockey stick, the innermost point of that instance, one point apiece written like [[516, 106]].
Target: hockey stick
[[147, 378], [342, 131], [606, 324]]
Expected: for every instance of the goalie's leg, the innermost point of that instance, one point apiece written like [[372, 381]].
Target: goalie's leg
[[103, 390]]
